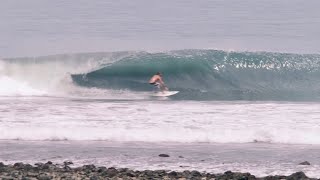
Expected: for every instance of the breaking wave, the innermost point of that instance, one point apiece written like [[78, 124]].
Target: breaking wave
[[197, 74]]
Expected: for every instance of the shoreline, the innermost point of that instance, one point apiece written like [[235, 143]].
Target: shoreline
[[49, 170]]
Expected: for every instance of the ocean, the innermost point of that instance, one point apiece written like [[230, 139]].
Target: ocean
[[74, 84]]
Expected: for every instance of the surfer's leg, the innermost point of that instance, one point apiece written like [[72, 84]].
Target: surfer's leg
[[157, 86]]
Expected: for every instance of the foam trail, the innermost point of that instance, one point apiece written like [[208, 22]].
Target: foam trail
[[49, 75], [11, 87]]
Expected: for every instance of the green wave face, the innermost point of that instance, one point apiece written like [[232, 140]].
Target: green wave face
[[214, 75]]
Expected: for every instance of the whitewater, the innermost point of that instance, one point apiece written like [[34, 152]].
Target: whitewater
[[74, 84], [262, 102]]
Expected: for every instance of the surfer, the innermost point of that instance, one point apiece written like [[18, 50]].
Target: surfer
[[157, 81]]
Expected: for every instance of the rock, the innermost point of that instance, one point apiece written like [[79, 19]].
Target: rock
[[39, 164], [160, 172], [121, 170], [111, 172], [147, 174], [67, 168], [185, 173], [181, 157], [276, 177], [243, 176], [91, 167], [164, 155], [227, 175], [49, 162], [195, 174], [25, 178], [28, 167], [184, 166], [101, 169], [15, 174], [129, 174], [31, 174], [43, 176], [94, 178], [297, 176], [1, 165], [67, 163], [304, 163], [6, 178], [173, 174], [18, 165]]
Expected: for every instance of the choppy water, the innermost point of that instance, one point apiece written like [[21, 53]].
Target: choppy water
[[247, 72]]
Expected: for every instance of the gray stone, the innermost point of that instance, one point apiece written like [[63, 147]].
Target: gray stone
[[164, 155], [111, 172], [94, 178], [67, 163], [15, 174], [49, 162], [297, 176], [305, 163], [18, 165], [32, 174], [90, 167], [173, 174], [6, 178], [101, 169], [44, 177], [195, 174]]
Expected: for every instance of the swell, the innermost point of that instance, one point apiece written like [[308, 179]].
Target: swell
[[214, 75]]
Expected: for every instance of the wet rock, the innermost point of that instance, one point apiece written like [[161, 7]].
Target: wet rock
[[67, 163], [28, 167], [164, 155], [49, 162], [121, 170], [129, 174], [111, 172], [160, 172], [101, 169], [90, 167], [186, 173], [173, 174], [181, 157], [305, 163], [195, 174], [38, 164], [67, 168], [18, 165], [297, 176]]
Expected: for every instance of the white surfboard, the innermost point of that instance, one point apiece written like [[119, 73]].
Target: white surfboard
[[164, 93]]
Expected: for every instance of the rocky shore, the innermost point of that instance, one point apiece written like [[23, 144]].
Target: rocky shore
[[47, 171]]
